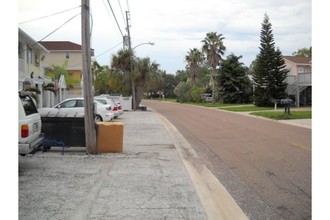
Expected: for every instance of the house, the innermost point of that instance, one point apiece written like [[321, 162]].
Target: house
[[299, 79], [68, 54], [30, 68]]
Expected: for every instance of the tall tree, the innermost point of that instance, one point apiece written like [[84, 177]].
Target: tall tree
[[181, 75], [55, 72], [214, 48], [236, 86], [170, 83], [306, 52], [101, 78], [155, 82], [269, 70], [121, 63], [194, 59], [143, 69]]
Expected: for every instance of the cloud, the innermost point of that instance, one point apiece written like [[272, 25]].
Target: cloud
[[175, 26]]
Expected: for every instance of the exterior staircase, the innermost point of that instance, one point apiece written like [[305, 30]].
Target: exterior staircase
[[297, 84]]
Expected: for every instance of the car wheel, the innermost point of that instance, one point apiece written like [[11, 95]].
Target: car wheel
[[97, 118]]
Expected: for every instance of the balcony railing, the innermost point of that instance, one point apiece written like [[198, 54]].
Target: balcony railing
[[300, 79]]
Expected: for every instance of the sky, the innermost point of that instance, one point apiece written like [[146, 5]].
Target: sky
[[175, 26]]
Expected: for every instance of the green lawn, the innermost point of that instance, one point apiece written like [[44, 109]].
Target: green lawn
[[246, 108], [267, 112], [280, 115]]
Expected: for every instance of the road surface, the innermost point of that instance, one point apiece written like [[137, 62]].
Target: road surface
[[264, 164]]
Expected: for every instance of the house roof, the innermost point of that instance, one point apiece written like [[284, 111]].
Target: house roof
[[31, 41], [299, 59], [61, 45]]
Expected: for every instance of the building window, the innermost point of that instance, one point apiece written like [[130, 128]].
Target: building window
[[67, 55], [29, 54], [37, 58], [301, 70]]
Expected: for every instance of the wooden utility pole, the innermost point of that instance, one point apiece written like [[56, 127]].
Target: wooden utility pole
[[131, 62], [90, 133]]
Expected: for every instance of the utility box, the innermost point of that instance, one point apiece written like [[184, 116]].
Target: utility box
[[110, 137]]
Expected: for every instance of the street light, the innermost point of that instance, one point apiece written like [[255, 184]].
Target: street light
[[133, 86], [151, 43]]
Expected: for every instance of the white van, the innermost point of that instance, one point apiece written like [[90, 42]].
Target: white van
[[29, 125]]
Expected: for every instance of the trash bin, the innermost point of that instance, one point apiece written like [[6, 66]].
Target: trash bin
[[110, 137], [70, 130]]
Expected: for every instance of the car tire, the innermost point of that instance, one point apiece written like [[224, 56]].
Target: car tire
[[98, 118]]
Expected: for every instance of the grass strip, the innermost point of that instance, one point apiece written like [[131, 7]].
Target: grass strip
[[280, 115]]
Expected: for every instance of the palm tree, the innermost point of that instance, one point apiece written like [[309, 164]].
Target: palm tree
[[142, 71], [194, 59], [214, 48], [122, 61]]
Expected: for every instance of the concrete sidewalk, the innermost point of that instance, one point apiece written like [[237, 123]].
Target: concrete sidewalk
[[306, 123], [151, 179]]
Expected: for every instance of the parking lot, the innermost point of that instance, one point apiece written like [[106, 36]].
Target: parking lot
[[146, 181]]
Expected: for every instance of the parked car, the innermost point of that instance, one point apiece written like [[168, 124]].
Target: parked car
[[117, 110], [207, 97], [120, 108], [29, 125], [74, 107]]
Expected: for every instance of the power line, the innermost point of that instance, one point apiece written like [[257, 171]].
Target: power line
[[49, 15], [115, 18], [98, 55], [121, 10], [108, 50], [60, 26], [52, 32], [107, 9]]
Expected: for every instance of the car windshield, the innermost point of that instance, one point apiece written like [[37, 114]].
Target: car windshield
[[113, 102], [68, 104], [101, 101]]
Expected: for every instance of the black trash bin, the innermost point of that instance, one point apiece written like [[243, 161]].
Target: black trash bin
[[70, 130]]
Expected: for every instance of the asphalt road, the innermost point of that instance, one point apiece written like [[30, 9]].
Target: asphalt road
[[264, 164]]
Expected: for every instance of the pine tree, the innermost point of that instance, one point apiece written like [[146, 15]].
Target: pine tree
[[269, 71], [235, 83]]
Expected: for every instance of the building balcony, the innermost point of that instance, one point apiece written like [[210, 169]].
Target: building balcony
[[303, 79]]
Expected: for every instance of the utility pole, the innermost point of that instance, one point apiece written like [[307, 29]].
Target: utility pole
[[131, 61], [90, 133]]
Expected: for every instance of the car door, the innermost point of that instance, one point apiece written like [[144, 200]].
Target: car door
[[71, 108]]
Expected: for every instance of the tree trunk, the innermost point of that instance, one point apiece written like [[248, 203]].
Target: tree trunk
[[213, 86], [139, 92]]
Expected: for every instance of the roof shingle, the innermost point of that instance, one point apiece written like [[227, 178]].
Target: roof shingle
[[299, 59], [60, 45]]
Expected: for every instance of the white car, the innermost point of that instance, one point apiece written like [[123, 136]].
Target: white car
[[74, 107], [108, 101], [29, 125], [120, 109]]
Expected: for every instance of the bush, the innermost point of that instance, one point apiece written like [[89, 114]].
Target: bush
[[196, 94], [183, 91]]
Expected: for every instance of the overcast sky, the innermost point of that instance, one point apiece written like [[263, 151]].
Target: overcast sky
[[175, 26]]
